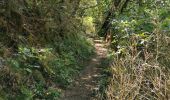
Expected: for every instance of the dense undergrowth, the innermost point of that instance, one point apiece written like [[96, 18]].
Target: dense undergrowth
[[140, 54], [38, 72], [41, 49]]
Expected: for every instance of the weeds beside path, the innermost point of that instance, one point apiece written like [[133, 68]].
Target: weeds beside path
[[87, 82]]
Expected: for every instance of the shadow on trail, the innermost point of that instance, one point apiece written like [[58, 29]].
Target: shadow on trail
[[87, 82]]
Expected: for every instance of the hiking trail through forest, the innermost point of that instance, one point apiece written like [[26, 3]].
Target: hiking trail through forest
[[87, 82]]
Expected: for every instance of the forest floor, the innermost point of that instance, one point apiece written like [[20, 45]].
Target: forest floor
[[86, 84]]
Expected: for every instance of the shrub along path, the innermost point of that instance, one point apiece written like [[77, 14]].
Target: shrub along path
[[85, 84]]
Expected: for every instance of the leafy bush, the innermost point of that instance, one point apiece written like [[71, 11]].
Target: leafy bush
[[140, 53], [59, 62], [42, 48]]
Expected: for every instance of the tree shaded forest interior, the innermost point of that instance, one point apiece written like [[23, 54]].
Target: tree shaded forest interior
[[45, 44]]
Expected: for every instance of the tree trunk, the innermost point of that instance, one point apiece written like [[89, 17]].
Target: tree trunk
[[111, 14]]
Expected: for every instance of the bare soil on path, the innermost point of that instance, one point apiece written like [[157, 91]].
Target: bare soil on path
[[87, 82]]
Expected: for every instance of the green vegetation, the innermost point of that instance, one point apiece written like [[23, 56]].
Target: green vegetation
[[44, 44], [140, 52], [42, 48]]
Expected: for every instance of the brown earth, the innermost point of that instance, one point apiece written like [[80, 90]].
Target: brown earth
[[86, 84]]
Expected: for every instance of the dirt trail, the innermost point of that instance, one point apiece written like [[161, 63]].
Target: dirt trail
[[86, 83]]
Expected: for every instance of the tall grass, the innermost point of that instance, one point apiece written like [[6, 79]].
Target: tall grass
[[141, 74]]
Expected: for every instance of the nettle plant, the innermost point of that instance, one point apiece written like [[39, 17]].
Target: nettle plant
[[29, 58]]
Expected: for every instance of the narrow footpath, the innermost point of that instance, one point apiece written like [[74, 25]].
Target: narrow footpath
[[86, 83]]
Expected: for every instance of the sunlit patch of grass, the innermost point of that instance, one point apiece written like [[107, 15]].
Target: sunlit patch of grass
[[140, 74], [137, 80]]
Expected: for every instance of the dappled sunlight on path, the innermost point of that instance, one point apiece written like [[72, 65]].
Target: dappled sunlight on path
[[86, 83]]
